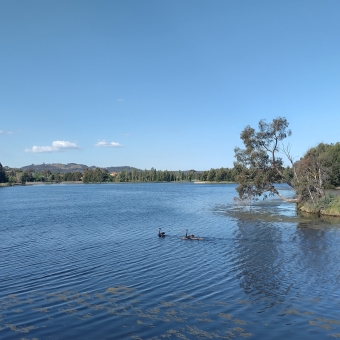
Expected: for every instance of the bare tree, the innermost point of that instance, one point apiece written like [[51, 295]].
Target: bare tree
[[312, 170]]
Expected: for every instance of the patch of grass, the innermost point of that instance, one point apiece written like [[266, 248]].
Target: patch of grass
[[333, 208], [328, 205]]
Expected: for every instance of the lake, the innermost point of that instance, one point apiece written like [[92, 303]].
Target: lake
[[85, 262]]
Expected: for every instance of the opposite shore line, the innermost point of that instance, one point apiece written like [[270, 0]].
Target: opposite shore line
[[81, 182]]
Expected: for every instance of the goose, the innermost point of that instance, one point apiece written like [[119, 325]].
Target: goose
[[161, 234]]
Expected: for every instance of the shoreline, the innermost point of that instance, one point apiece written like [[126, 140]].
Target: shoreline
[[49, 183], [209, 182], [319, 212], [81, 182]]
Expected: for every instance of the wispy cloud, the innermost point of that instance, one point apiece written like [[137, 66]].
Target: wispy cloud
[[5, 132], [58, 145], [120, 100], [105, 144]]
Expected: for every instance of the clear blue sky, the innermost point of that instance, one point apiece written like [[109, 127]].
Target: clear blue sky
[[164, 84]]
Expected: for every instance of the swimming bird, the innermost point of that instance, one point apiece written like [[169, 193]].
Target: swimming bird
[[188, 236], [161, 234]]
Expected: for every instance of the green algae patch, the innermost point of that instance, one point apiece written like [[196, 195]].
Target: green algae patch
[[205, 320], [330, 321], [335, 335], [19, 329], [226, 316], [119, 290], [239, 321], [42, 309]]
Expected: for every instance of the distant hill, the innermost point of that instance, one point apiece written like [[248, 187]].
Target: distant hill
[[70, 167]]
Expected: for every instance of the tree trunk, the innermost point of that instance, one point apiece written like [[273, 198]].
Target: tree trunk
[[288, 200]]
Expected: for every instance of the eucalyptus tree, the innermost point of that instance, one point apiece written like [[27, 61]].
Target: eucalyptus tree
[[260, 164]]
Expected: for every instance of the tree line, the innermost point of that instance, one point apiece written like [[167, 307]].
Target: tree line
[[16, 176], [100, 175], [256, 169], [214, 175]]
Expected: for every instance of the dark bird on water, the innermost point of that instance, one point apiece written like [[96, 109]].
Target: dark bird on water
[[188, 236], [161, 234]]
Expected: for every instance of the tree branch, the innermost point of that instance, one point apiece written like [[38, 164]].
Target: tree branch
[[288, 200]]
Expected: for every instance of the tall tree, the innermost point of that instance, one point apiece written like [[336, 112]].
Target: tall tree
[[260, 164]]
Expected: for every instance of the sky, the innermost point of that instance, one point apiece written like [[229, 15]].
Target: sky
[[168, 84]]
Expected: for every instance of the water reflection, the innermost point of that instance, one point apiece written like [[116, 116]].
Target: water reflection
[[317, 253], [277, 250], [260, 262]]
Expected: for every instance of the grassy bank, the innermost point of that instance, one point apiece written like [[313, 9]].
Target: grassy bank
[[333, 209], [327, 206]]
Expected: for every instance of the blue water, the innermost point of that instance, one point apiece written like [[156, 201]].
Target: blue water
[[85, 262]]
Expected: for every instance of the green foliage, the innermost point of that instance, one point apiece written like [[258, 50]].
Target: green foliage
[[72, 176], [58, 177], [211, 175], [319, 204], [329, 155], [259, 165], [38, 177], [26, 176], [3, 176], [219, 175], [11, 179], [96, 176], [333, 207], [317, 170], [152, 175], [99, 175]]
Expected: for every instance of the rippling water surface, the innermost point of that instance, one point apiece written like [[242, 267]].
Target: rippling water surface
[[85, 262]]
